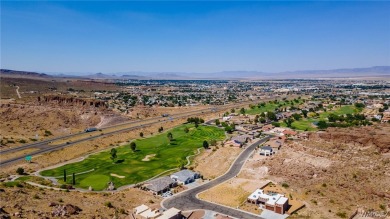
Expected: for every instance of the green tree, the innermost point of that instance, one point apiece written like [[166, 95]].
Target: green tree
[[333, 117], [73, 179], [170, 136], [232, 110], [360, 105], [242, 111], [217, 122], [160, 129], [288, 122], [186, 130], [20, 171], [304, 112], [205, 144], [322, 125], [196, 125], [141, 134], [64, 175], [113, 154], [228, 129], [133, 146], [296, 116], [271, 116]]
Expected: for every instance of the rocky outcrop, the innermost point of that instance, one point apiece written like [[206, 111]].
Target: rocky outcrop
[[65, 210], [71, 101], [4, 214]]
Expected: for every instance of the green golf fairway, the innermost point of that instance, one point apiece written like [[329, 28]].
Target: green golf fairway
[[129, 167]]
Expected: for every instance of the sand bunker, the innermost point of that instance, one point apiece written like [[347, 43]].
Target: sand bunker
[[147, 157], [116, 175]]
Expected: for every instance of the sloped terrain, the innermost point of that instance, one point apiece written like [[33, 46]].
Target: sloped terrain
[[337, 171]]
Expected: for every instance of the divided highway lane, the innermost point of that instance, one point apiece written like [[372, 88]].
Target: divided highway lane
[[188, 200], [46, 142], [43, 146]]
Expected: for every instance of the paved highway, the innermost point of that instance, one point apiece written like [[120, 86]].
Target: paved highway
[[44, 146], [188, 200]]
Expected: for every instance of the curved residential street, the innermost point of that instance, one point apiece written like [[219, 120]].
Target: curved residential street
[[188, 200]]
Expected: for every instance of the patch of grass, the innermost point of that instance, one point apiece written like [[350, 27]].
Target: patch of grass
[[270, 106], [97, 182], [23, 178], [348, 109], [12, 184], [134, 170]]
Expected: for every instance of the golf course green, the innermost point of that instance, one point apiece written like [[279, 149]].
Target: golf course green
[[131, 166], [307, 123], [271, 106]]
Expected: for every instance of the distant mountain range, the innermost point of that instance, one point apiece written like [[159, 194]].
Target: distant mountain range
[[376, 71], [22, 73]]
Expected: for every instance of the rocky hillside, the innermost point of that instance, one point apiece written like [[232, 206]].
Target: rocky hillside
[[337, 171], [377, 136], [71, 101], [21, 123]]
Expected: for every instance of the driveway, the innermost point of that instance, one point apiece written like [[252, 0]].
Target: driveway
[[267, 214]]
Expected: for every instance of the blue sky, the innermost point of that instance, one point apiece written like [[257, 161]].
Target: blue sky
[[188, 36]]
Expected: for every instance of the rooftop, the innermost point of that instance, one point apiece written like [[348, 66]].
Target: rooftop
[[183, 175], [140, 209], [159, 184], [169, 213]]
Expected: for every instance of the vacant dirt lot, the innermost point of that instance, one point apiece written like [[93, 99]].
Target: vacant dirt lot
[[32, 202], [212, 164], [336, 171], [234, 192]]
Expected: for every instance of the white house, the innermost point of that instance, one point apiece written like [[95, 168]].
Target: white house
[[266, 151], [271, 201]]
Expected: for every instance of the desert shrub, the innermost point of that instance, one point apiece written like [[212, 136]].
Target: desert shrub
[[22, 141], [108, 204], [342, 214]]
